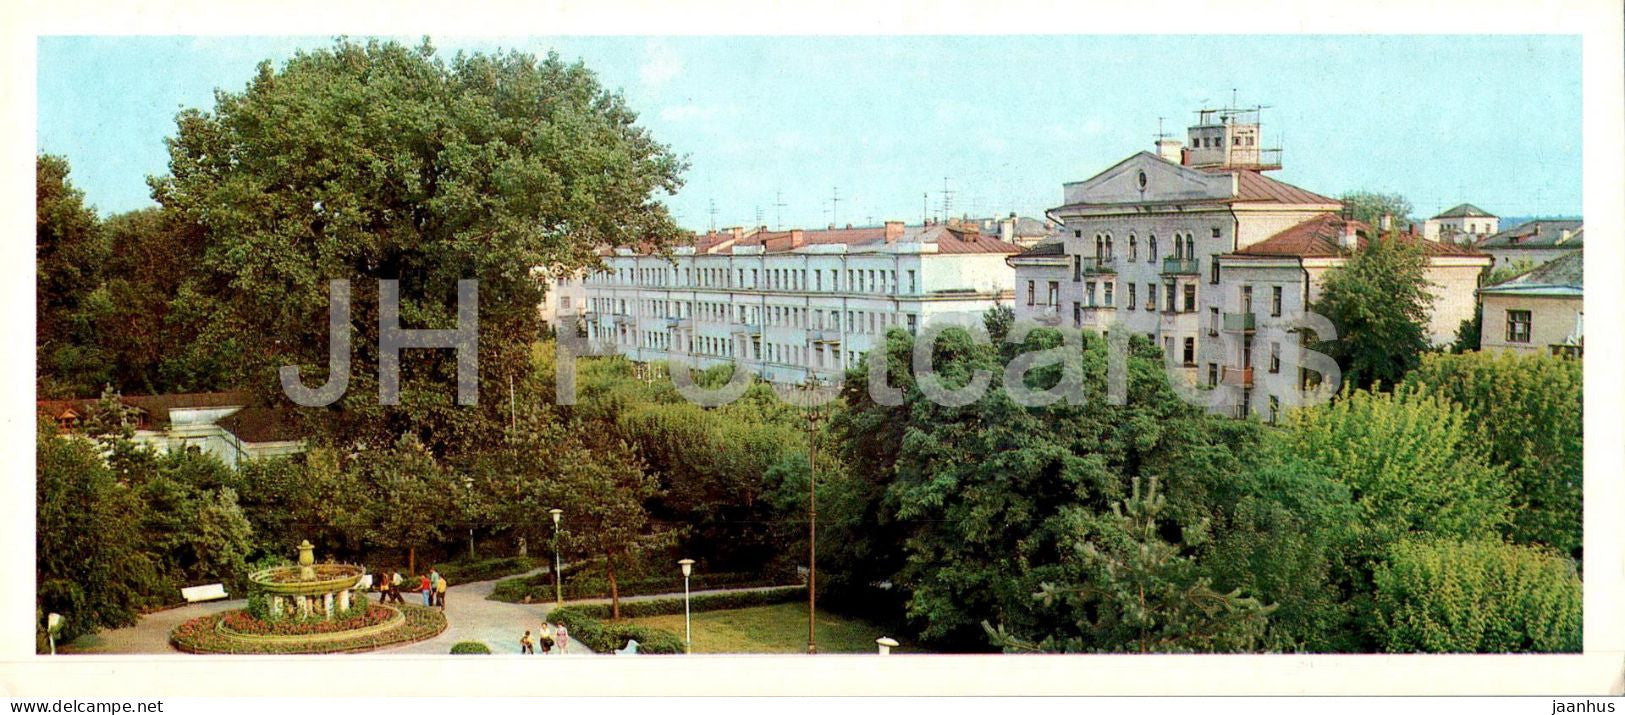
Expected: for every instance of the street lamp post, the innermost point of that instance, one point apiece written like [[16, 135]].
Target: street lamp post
[[558, 585], [688, 623], [468, 486], [813, 417]]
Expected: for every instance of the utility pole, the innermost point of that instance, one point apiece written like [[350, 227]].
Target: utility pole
[[814, 415]]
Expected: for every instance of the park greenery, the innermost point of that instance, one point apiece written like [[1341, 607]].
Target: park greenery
[[1434, 505]]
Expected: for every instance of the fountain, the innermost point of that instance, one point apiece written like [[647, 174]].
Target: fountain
[[307, 590], [307, 608]]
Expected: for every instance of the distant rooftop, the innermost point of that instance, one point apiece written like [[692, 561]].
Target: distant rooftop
[[1538, 234], [1561, 278], [952, 237], [1319, 237], [1465, 211]]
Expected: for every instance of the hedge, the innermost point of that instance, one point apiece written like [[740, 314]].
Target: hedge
[[471, 648], [706, 602], [609, 637], [1477, 597], [539, 587]]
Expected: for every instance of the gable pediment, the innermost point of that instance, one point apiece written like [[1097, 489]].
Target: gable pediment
[[1164, 182]]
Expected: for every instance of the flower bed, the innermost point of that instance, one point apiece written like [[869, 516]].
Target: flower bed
[[242, 622], [203, 635]]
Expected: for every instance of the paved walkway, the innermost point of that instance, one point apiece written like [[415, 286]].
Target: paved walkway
[[469, 617]]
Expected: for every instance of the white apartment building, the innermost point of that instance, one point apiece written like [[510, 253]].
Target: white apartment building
[[792, 305], [1158, 245], [1463, 223]]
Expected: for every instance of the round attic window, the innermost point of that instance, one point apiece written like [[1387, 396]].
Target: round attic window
[[1142, 181]]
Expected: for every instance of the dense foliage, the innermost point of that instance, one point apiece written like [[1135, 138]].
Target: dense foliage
[[1480, 596], [1527, 412]]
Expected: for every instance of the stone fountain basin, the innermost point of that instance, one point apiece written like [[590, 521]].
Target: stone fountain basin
[[286, 580]]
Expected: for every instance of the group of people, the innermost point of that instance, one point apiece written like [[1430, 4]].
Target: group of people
[[547, 637], [432, 586]]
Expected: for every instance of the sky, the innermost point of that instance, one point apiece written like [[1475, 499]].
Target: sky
[[775, 127]]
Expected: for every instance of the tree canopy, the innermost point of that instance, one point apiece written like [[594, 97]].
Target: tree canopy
[[1379, 301]]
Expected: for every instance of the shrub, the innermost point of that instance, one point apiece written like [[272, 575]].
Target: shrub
[[487, 569], [539, 587], [1477, 597], [609, 637], [706, 602], [470, 648]]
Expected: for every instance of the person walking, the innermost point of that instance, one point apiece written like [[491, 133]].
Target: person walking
[[440, 593], [525, 645], [427, 589], [562, 636], [544, 638], [383, 588], [395, 582]]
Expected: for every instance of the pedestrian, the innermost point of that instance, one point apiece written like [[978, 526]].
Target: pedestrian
[[544, 638], [383, 588], [395, 582], [562, 636], [525, 646], [440, 593], [428, 591]]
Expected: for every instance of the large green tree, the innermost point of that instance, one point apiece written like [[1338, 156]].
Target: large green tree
[[1379, 302], [70, 255], [1370, 206], [1528, 414], [375, 161]]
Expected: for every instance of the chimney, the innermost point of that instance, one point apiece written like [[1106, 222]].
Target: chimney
[[738, 232], [1386, 223], [894, 231], [1349, 241], [1007, 229], [797, 237], [1564, 237], [849, 227], [1171, 150]]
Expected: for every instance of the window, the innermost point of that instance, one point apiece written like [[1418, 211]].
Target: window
[[1212, 374], [1089, 292], [1215, 231], [1172, 296], [818, 280], [564, 301], [1275, 301], [1108, 246], [1077, 314], [911, 323], [1131, 291], [1133, 248], [1100, 246], [1275, 357], [1190, 352], [1077, 268], [1054, 293], [1109, 285], [1190, 246], [1151, 249], [1190, 298], [1077, 234], [1213, 264], [1213, 321], [1030, 289], [1275, 408], [1150, 296], [911, 282], [1518, 326], [1247, 299]]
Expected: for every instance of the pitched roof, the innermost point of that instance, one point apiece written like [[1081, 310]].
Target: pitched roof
[[1538, 234], [1318, 237], [948, 238], [1254, 187], [1562, 277], [1465, 211], [263, 424]]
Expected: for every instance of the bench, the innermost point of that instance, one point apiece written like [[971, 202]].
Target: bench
[[210, 592]]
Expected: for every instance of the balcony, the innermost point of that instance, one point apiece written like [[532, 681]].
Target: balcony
[[1236, 376], [821, 335], [1239, 322], [1179, 266], [748, 329], [1096, 314], [1045, 314], [1091, 264]]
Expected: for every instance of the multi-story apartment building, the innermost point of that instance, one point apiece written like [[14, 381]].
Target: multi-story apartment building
[[1534, 242], [792, 305], [1463, 223], [1184, 246]]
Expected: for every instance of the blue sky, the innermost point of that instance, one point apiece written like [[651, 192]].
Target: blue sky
[[1493, 120]]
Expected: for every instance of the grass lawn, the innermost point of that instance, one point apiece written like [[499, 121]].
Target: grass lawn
[[779, 628]]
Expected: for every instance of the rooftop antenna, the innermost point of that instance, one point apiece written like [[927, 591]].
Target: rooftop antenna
[[1160, 133], [947, 200], [778, 210], [925, 207], [834, 205], [758, 214], [713, 215]]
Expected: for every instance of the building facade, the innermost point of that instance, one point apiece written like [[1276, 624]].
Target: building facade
[[1188, 246], [1463, 223], [1540, 311], [225, 425], [792, 305]]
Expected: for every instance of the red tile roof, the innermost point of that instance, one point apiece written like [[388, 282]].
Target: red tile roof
[[949, 239], [1252, 186], [1318, 238]]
